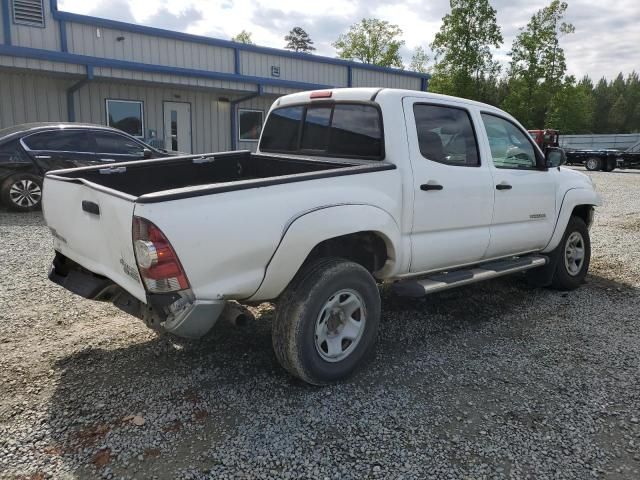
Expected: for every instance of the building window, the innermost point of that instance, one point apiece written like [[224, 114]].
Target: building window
[[126, 115], [250, 125], [28, 12]]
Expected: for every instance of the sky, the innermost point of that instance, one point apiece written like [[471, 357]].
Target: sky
[[606, 39]]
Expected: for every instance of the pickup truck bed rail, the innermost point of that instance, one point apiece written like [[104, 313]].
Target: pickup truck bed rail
[[159, 180]]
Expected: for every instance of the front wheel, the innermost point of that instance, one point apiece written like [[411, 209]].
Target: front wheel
[[22, 192], [327, 320], [592, 164], [575, 255], [610, 165]]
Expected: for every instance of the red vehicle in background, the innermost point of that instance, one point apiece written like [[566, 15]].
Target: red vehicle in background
[[546, 138]]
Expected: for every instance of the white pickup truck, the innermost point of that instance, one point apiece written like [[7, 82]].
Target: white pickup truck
[[349, 187]]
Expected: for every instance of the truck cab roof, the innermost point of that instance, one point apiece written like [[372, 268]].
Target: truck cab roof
[[374, 94]]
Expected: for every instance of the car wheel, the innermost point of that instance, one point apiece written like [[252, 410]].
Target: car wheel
[[326, 321], [22, 192], [593, 164], [575, 255], [609, 165]]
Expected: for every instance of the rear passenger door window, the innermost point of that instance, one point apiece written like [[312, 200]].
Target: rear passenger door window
[[58, 141], [510, 147], [446, 135]]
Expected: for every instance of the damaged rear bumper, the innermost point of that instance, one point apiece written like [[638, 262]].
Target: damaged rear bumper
[[178, 313]]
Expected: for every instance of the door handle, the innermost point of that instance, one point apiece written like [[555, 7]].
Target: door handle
[[503, 186], [430, 186], [43, 157], [107, 159], [91, 207]]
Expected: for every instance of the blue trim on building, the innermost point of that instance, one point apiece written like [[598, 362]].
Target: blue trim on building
[[53, 56], [71, 108], [6, 22], [159, 32], [236, 60], [234, 115], [63, 36], [424, 85], [349, 76]]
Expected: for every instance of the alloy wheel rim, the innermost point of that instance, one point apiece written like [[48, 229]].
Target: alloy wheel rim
[[25, 193], [340, 325], [574, 253], [591, 163]]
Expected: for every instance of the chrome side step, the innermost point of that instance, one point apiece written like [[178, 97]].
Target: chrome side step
[[456, 278]]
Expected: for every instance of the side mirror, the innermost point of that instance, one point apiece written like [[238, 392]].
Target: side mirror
[[554, 157], [146, 153]]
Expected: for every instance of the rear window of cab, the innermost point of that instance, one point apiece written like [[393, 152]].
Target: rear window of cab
[[349, 130]]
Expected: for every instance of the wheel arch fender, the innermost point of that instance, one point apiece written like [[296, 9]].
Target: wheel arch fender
[[577, 197], [307, 230]]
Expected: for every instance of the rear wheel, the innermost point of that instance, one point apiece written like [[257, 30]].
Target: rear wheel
[[575, 255], [593, 163], [326, 321], [22, 192]]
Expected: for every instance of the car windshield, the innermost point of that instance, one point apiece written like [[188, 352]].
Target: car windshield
[[5, 132]]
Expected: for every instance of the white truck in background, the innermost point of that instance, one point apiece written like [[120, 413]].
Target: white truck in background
[[349, 187]]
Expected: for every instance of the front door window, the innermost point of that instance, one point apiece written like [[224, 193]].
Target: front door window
[[510, 147]]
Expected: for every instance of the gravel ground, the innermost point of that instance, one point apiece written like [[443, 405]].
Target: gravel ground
[[495, 380]]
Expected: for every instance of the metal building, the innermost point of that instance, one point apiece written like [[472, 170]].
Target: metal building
[[183, 92]]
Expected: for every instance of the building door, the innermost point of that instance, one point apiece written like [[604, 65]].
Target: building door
[[177, 127]]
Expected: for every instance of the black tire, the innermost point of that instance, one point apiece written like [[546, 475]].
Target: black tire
[[564, 278], [12, 187], [593, 163], [609, 165], [299, 315]]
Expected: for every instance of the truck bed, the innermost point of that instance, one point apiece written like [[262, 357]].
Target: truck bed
[[148, 181]]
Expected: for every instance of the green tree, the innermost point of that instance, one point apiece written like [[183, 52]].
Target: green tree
[[371, 41], [299, 41], [606, 107], [493, 90], [634, 120], [617, 115], [538, 64], [633, 100], [419, 61], [243, 37], [603, 103], [572, 106], [463, 48]]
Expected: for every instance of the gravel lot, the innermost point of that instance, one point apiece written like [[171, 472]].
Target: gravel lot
[[495, 380]]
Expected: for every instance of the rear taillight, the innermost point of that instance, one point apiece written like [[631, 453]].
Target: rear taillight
[[158, 263]]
